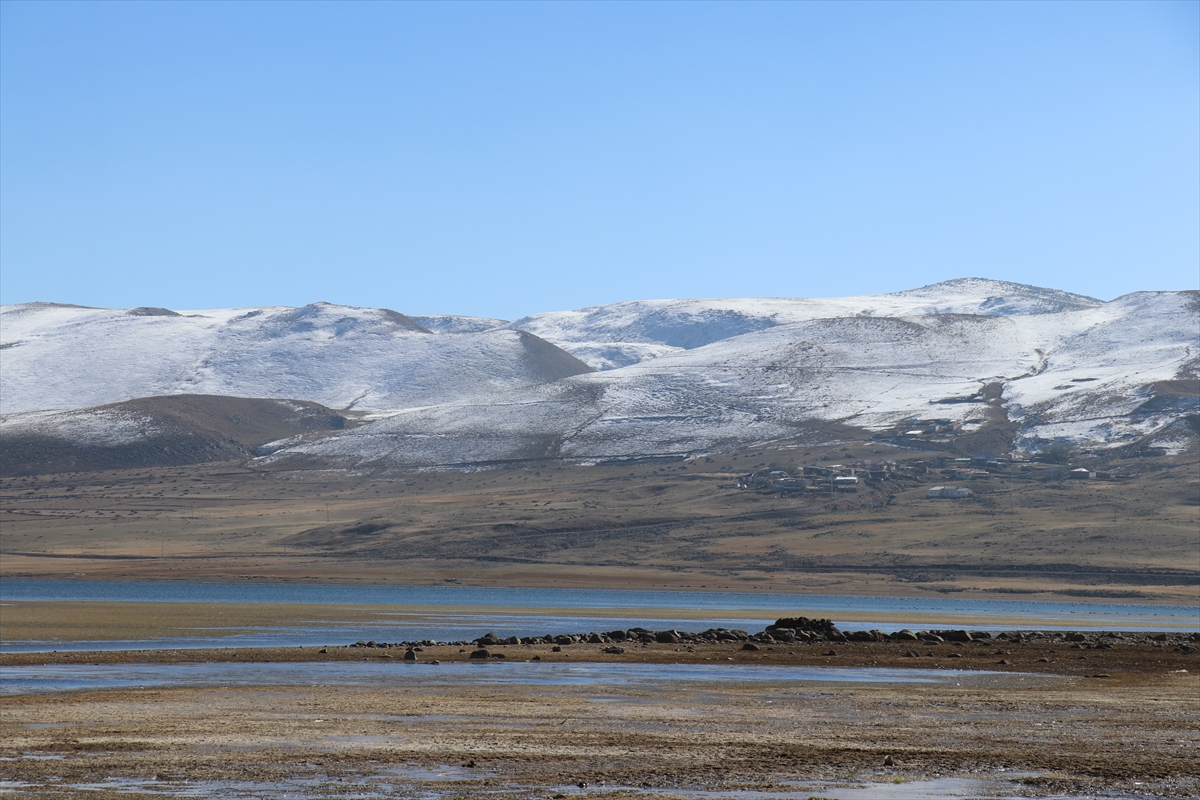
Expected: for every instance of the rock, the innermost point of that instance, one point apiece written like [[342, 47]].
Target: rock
[[889, 762], [912, 654], [829, 653], [498, 655], [488, 640], [667, 637], [511, 640], [615, 650], [1004, 661], [595, 638], [905, 635], [323, 650], [750, 646], [556, 649], [955, 636], [805, 624], [561, 640], [480, 653], [536, 658], [954, 655], [410, 655]]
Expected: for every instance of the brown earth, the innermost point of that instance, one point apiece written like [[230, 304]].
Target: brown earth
[[190, 429], [1123, 661], [1131, 733], [660, 524]]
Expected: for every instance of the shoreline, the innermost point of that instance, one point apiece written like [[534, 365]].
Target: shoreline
[[1107, 657]]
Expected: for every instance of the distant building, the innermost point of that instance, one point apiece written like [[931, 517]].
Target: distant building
[[951, 492], [1080, 474], [846, 483]]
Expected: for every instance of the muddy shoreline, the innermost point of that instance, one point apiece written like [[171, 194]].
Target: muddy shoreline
[[1109, 655], [1084, 714]]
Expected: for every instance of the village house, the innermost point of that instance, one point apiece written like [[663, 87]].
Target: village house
[[951, 492]]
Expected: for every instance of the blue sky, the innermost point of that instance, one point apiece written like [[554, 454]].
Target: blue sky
[[499, 159]]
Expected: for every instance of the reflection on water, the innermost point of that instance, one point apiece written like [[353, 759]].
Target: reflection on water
[[72, 677]]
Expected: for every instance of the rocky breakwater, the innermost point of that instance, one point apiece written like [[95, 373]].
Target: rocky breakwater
[[791, 631]]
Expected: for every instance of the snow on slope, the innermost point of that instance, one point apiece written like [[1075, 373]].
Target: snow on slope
[[621, 334], [90, 427], [759, 387], [450, 323], [63, 357], [1074, 374], [1099, 363], [723, 373]]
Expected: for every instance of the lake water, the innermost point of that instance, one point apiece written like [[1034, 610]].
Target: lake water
[[453, 613], [613, 677]]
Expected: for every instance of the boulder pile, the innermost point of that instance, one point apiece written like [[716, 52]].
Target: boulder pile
[[802, 630]]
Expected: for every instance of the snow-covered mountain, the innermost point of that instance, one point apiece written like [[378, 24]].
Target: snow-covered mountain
[[675, 377], [620, 334], [1080, 375], [62, 357], [451, 323]]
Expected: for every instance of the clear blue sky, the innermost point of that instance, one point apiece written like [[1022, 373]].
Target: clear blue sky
[[499, 159]]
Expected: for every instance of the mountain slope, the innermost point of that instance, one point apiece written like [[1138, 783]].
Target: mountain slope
[[1033, 364], [60, 357], [182, 429], [621, 334], [1078, 375]]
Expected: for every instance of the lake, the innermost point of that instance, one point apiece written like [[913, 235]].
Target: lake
[[451, 613]]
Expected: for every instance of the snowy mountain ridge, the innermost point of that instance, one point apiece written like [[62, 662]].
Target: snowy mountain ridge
[[63, 357], [620, 334], [675, 377]]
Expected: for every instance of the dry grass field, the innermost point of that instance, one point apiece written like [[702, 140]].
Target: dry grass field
[[661, 524]]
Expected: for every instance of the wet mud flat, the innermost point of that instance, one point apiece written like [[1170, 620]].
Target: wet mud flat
[[1041, 725]]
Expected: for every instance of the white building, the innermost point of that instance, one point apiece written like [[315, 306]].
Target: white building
[[950, 491]]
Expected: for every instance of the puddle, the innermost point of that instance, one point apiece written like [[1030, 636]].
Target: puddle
[[444, 782], [48, 678]]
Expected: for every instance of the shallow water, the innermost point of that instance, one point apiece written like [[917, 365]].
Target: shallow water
[[435, 783], [444, 618], [613, 677], [466, 596], [389, 627]]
